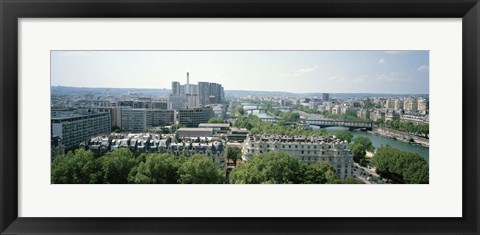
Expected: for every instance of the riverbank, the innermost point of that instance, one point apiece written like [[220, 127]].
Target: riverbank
[[401, 136]]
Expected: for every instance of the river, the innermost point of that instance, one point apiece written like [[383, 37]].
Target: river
[[262, 114], [378, 141]]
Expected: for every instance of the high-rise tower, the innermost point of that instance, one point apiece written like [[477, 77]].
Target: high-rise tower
[[188, 84]]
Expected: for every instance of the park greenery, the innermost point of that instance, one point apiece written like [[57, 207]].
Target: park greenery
[[409, 127], [400, 167], [121, 167], [344, 135], [350, 115], [278, 167], [256, 126], [234, 154], [359, 147], [217, 120], [305, 109]]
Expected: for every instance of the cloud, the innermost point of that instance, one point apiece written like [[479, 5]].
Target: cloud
[[300, 73], [360, 79], [304, 71], [382, 61], [336, 79], [423, 68], [394, 77]]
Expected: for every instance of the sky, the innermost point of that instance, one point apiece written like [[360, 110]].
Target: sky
[[396, 72]]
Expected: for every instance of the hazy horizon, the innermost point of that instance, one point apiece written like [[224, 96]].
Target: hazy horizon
[[144, 88], [381, 72]]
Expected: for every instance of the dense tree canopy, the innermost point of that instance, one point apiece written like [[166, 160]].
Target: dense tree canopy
[[420, 129], [234, 154], [156, 169], [198, 169], [365, 142], [121, 167], [359, 147], [317, 173], [76, 168], [240, 110], [270, 168], [256, 126], [116, 166], [401, 167], [216, 120], [344, 135], [280, 168], [358, 152]]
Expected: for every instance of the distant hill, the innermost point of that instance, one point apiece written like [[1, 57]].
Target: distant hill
[[148, 92]]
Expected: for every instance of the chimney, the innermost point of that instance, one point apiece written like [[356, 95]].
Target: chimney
[[188, 85]]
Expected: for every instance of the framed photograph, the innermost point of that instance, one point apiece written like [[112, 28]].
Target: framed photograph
[[239, 117]]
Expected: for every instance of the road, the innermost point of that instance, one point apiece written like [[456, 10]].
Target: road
[[364, 174]]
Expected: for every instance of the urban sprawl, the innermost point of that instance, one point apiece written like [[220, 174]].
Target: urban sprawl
[[243, 135]]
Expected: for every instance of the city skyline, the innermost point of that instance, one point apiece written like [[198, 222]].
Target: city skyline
[[393, 72]]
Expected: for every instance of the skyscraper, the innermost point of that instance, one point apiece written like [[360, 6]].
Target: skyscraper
[[193, 95], [175, 88], [325, 96]]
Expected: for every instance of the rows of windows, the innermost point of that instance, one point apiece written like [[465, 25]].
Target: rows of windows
[[299, 146]]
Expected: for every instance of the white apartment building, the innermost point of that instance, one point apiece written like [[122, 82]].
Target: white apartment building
[[410, 104], [308, 149], [76, 128]]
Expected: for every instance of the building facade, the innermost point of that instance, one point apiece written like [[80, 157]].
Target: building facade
[[309, 149], [134, 120], [193, 117], [75, 129]]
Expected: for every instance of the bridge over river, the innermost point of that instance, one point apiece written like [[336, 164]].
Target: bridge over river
[[329, 123]]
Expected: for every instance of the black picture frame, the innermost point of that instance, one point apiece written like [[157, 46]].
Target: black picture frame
[[12, 10]]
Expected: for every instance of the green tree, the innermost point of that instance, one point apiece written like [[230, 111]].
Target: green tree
[[76, 168], [401, 167], [116, 166], [349, 180], [290, 116], [198, 169], [234, 154], [369, 105], [365, 142], [240, 110], [216, 120], [116, 129], [344, 135], [317, 173], [156, 169], [275, 167], [174, 128], [358, 152]]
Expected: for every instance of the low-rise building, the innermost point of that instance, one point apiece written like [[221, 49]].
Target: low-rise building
[[194, 132], [218, 128]]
